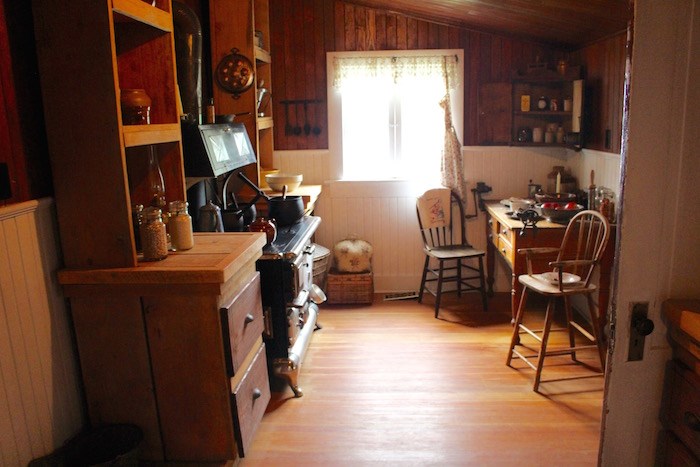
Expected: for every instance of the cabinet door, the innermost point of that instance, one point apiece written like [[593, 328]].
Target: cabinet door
[[494, 113]]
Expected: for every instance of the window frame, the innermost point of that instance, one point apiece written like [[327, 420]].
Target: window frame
[[335, 139]]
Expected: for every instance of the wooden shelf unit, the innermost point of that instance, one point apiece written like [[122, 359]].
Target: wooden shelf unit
[[87, 53], [233, 24], [559, 88]]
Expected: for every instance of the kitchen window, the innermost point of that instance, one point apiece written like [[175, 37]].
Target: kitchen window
[[385, 117]]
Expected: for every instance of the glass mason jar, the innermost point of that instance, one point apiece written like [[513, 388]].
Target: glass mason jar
[[180, 226], [154, 240]]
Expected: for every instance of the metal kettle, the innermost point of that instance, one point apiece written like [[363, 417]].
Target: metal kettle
[[209, 219]]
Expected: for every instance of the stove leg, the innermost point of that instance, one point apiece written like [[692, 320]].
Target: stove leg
[[289, 371]]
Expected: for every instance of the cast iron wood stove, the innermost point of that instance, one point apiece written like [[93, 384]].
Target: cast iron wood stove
[[291, 316]]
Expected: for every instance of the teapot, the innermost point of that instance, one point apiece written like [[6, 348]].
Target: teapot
[[209, 219], [262, 224]]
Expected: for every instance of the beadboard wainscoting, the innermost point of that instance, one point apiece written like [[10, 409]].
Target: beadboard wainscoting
[[40, 397], [383, 212]]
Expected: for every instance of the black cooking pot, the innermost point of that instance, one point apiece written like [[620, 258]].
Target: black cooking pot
[[285, 210]]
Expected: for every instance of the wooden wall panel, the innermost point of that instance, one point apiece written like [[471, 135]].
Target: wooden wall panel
[[304, 30], [23, 145], [604, 70]]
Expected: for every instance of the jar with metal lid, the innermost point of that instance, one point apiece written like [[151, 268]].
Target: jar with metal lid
[[154, 239], [180, 226]]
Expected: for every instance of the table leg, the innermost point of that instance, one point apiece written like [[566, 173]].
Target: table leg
[[490, 257]]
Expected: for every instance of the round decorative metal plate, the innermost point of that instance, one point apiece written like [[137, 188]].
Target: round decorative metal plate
[[235, 73]]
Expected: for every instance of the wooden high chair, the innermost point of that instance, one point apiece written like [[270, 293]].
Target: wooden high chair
[[577, 259]]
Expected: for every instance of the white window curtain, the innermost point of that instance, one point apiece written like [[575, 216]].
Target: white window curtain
[[374, 75]]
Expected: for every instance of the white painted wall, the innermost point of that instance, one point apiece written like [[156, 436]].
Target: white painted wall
[[383, 213], [40, 399]]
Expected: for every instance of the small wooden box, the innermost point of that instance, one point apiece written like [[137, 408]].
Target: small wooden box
[[349, 288]]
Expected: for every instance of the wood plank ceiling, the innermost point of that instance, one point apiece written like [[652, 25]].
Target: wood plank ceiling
[[564, 23]]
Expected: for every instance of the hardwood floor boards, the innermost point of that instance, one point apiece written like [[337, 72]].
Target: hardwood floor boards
[[390, 384]]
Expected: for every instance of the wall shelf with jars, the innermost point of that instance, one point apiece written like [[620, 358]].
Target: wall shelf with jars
[[111, 106], [547, 110]]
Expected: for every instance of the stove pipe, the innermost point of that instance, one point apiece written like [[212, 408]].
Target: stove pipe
[[188, 54]]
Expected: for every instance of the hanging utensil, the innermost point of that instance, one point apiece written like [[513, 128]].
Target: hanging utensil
[[297, 128], [287, 125], [307, 125]]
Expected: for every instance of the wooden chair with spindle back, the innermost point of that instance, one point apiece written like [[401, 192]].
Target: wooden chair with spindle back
[[572, 273], [441, 221]]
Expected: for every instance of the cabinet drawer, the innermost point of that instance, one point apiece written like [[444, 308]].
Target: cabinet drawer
[[242, 323], [250, 399], [684, 407], [506, 249]]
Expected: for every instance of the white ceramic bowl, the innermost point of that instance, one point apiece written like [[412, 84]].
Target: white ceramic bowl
[[278, 180]]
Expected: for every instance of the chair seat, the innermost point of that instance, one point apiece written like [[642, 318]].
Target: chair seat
[[542, 284], [453, 252]]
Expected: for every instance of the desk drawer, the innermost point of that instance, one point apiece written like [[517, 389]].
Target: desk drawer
[[242, 323], [506, 249], [684, 407], [249, 400]]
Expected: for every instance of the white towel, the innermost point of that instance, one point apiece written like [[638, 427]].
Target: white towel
[[434, 208]]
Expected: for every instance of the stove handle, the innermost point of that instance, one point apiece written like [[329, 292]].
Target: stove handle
[[301, 300], [310, 248]]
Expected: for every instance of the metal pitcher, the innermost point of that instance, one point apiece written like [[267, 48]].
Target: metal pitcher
[[209, 219]]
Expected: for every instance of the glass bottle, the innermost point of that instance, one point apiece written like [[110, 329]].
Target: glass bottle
[[180, 226], [154, 239], [136, 220], [156, 183]]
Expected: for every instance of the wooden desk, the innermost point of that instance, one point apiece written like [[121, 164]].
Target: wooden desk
[[503, 234]]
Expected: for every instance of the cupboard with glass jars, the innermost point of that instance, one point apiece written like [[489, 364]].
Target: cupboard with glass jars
[[547, 111], [94, 57], [182, 334]]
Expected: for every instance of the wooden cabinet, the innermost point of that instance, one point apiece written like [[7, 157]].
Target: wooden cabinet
[[521, 112], [176, 348], [245, 25], [550, 106], [680, 443], [88, 52]]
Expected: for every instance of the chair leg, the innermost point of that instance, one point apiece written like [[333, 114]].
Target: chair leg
[[515, 338], [438, 291], [569, 319], [597, 331], [548, 318], [422, 281], [459, 277], [482, 285]]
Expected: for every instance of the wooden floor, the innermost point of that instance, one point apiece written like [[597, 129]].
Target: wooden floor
[[388, 384]]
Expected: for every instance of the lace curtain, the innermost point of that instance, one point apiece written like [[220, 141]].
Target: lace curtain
[[440, 66], [443, 67]]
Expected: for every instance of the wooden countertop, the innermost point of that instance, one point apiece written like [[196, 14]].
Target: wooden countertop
[[683, 320], [215, 258]]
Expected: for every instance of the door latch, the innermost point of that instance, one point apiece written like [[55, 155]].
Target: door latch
[[640, 327]]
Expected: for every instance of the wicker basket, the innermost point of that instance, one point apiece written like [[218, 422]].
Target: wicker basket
[[350, 288]]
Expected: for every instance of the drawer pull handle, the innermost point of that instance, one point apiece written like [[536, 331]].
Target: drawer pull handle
[[503, 250], [249, 318], [257, 393], [691, 421]]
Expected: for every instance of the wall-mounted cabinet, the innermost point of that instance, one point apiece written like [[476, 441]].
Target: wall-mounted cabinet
[[88, 52], [542, 110], [245, 25], [547, 112]]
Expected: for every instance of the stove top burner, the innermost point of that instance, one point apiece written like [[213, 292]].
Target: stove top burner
[[291, 239]]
